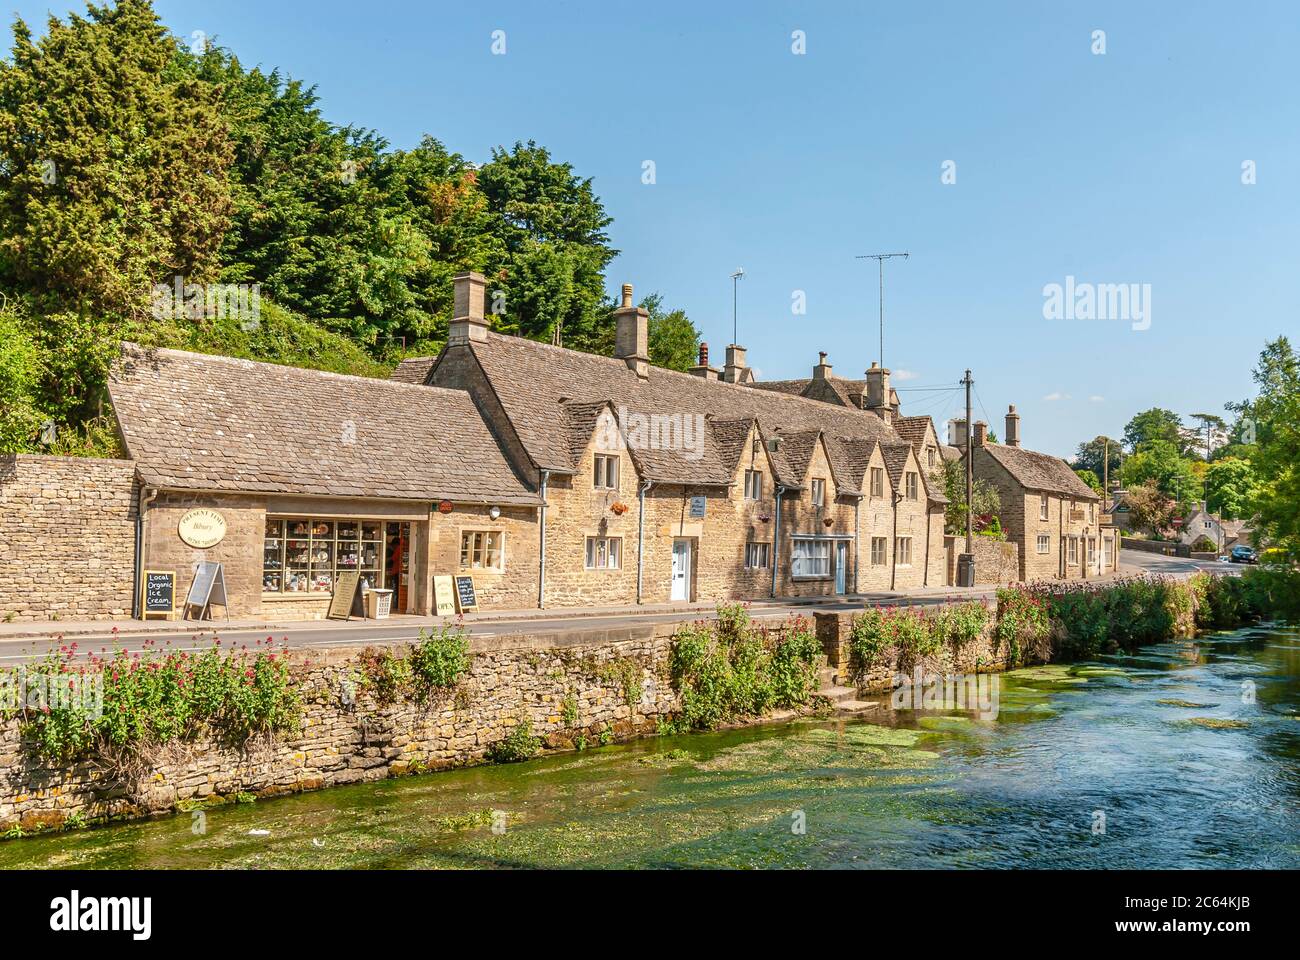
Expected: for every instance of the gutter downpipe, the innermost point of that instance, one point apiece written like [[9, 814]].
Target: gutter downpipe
[[925, 576], [143, 503], [541, 561], [776, 538], [893, 567], [640, 535], [857, 539]]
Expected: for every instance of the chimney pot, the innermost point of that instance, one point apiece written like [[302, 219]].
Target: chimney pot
[[468, 322], [736, 371], [632, 335], [878, 396], [704, 354], [1012, 435], [981, 433], [823, 369]]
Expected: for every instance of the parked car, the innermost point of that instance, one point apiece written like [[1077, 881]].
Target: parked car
[[1244, 554]]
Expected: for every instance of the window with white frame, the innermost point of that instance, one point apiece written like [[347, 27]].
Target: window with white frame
[[1042, 507], [604, 553], [929, 456], [903, 551], [912, 485], [1072, 550], [879, 551], [818, 493], [605, 473], [810, 558], [1044, 543], [482, 550], [1092, 508], [757, 556], [753, 485], [877, 481]]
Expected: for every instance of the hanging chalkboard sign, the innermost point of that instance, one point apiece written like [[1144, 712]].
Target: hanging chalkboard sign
[[345, 595], [158, 594], [209, 587], [466, 598]]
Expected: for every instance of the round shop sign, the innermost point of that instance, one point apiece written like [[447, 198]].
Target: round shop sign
[[203, 528]]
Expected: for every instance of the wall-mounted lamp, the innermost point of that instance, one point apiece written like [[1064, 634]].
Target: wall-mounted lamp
[[494, 512]]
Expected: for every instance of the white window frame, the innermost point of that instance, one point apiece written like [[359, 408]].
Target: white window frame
[[877, 481], [480, 549], [758, 555], [1044, 543], [1043, 507], [807, 561], [818, 492], [903, 551], [603, 553], [605, 471], [879, 551], [1072, 550], [913, 484], [753, 484], [929, 456]]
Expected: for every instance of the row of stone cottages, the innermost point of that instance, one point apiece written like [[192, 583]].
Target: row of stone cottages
[[553, 477]]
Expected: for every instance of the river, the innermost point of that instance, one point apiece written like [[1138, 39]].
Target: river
[[1184, 755]]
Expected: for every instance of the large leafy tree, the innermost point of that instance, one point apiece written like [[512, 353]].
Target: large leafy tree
[[113, 177], [1273, 418], [550, 273], [1150, 510], [1229, 487], [1151, 426], [1093, 455], [1159, 463]]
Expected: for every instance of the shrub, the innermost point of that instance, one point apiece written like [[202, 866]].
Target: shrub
[[439, 660], [732, 669], [519, 744], [1022, 625]]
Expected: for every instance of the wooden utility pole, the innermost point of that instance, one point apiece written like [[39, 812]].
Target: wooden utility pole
[[966, 563]]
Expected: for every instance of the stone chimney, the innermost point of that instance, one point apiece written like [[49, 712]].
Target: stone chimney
[[823, 369], [632, 335], [958, 435], [736, 371], [981, 433], [877, 396], [468, 324], [1012, 435], [702, 369]]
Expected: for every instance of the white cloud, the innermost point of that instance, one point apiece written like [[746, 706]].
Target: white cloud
[[1096, 398], [905, 374], [1053, 397]]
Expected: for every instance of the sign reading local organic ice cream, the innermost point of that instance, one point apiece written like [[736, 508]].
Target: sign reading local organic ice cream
[[203, 527]]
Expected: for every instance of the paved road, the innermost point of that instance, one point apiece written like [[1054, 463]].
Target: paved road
[[318, 634]]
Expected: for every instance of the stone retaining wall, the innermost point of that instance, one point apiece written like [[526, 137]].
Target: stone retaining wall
[[347, 737]]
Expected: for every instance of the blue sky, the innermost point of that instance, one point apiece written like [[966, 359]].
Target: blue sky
[[1124, 167]]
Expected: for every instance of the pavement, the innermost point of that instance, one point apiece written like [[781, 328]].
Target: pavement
[[21, 641]]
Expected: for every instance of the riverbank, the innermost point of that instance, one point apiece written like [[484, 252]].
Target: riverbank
[[178, 731]]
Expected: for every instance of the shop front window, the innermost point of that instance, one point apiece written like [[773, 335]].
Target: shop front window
[[305, 555]]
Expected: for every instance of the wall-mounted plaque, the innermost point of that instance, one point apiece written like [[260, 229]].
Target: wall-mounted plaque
[[698, 506], [202, 527]]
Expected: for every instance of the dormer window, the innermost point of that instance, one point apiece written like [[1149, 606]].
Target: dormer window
[[753, 485], [819, 493], [606, 473], [912, 485], [929, 456], [877, 481]]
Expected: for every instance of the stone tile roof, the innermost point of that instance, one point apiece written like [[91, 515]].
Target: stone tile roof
[[413, 370], [730, 437], [837, 390], [531, 378], [895, 455], [198, 422], [797, 448], [1040, 471], [912, 429], [580, 419]]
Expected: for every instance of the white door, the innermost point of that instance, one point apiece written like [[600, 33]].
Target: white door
[[841, 566], [681, 570]]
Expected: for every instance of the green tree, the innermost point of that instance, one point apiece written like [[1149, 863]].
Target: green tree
[[1149, 509], [551, 225], [21, 372], [988, 504], [1091, 479], [1158, 462], [1093, 454], [113, 177], [1273, 418], [1150, 426], [1229, 487]]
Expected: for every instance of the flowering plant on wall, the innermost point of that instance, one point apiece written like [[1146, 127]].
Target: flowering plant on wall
[[618, 507], [827, 521]]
